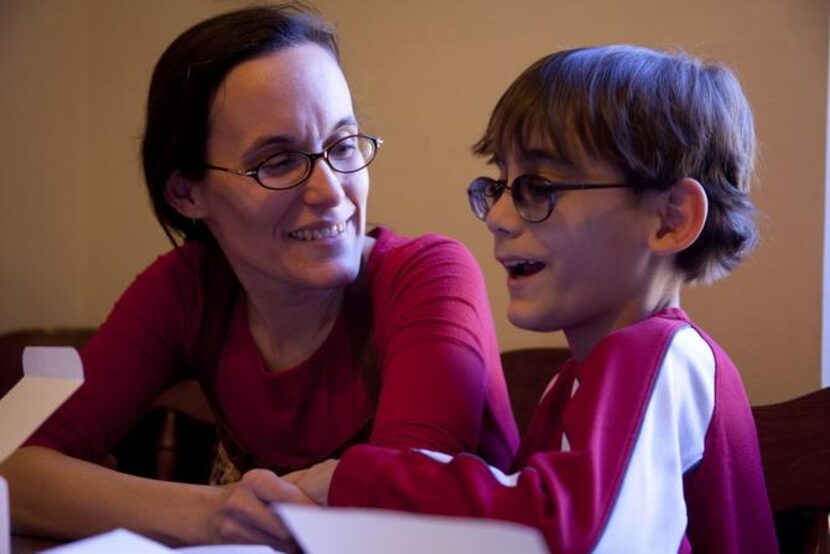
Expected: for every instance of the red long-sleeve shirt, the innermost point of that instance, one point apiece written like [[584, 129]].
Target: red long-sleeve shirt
[[441, 385], [647, 445]]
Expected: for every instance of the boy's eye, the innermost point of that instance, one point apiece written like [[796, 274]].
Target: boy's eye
[[493, 189], [536, 189]]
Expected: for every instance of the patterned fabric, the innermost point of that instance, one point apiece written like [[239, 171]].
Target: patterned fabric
[[223, 471]]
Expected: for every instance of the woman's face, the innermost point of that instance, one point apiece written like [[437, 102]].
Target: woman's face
[[293, 99]]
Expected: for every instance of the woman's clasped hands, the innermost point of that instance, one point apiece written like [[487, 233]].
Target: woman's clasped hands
[[244, 512]]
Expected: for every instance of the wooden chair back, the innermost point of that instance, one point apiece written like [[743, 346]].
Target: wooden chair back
[[527, 372], [795, 449]]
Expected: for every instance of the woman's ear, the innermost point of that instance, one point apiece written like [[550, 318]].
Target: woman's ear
[[682, 215], [183, 194]]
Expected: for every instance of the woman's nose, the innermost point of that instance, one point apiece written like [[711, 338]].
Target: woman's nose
[[324, 185], [503, 219]]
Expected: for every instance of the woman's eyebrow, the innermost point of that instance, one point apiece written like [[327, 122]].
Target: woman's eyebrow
[[288, 140], [267, 141], [346, 121]]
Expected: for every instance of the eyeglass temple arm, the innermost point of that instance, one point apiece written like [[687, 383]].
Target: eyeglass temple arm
[[242, 172]]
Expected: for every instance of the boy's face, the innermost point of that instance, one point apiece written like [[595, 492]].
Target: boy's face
[[587, 268]]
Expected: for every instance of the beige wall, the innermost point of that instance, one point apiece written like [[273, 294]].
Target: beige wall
[[43, 164], [77, 227]]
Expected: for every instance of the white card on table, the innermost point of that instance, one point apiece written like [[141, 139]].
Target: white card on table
[[349, 530], [50, 375]]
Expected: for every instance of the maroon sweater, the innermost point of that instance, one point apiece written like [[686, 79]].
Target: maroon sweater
[[441, 385], [647, 445]]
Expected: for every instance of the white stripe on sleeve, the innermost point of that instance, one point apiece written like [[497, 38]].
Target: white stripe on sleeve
[[499, 475], [649, 514]]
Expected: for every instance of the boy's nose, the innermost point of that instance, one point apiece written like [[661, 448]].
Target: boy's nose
[[503, 219]]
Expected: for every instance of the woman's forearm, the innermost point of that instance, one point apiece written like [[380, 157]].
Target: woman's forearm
[[54, 495]]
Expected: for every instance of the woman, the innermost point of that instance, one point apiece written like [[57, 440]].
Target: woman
[[307, 334]]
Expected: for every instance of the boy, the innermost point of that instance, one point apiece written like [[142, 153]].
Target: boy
[[628, 173]]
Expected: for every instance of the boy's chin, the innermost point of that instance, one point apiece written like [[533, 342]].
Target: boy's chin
[[531, 320]]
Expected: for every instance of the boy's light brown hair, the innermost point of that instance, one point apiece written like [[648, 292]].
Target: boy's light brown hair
[[657, 117]]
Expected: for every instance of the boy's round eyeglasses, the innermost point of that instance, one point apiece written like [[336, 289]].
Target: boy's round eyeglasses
[[533, 196], [288, 169]]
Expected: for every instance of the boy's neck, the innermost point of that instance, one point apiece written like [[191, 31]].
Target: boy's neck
[[582, 339]]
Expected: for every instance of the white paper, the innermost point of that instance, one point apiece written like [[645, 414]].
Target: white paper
[[119, 541], [50, 375], [5, 530], [347, 530], [227, 549], [123, 541]]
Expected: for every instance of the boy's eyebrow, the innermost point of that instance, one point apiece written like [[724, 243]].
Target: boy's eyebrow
[[538, 156]]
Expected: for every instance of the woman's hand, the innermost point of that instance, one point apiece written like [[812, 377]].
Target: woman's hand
[[315, 481], [244, 514]]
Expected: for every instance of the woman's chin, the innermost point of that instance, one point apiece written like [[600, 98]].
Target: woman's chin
[[337, 276]]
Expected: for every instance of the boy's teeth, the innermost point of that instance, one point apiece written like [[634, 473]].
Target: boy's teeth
[[316, 234]]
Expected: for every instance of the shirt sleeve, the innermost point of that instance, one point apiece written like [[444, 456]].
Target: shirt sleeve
[[135, 354], [611, 476], [442, 384]]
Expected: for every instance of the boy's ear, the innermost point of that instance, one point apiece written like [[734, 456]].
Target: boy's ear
[[183, 194], [682, 213]]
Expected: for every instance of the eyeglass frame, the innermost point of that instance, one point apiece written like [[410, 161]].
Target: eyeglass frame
[[312, 158], [554, 187]]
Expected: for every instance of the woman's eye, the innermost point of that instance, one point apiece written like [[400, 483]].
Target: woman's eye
[[281, 164], [344, 149]]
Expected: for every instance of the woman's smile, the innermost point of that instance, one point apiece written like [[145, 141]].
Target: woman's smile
[[319, 231]]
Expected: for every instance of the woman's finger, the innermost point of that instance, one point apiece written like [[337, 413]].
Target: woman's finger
[[250, 503]]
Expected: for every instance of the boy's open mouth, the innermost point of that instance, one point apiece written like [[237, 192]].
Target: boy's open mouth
[[523, 268]]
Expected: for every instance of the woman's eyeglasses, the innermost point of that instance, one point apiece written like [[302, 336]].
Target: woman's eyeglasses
[[285, 170], [533, 196]]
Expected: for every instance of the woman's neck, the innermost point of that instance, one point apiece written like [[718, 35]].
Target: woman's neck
[[289, 323], [287, 329]]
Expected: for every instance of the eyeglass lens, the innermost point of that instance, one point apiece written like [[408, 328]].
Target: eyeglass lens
[[347, 155], [533, 196]]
